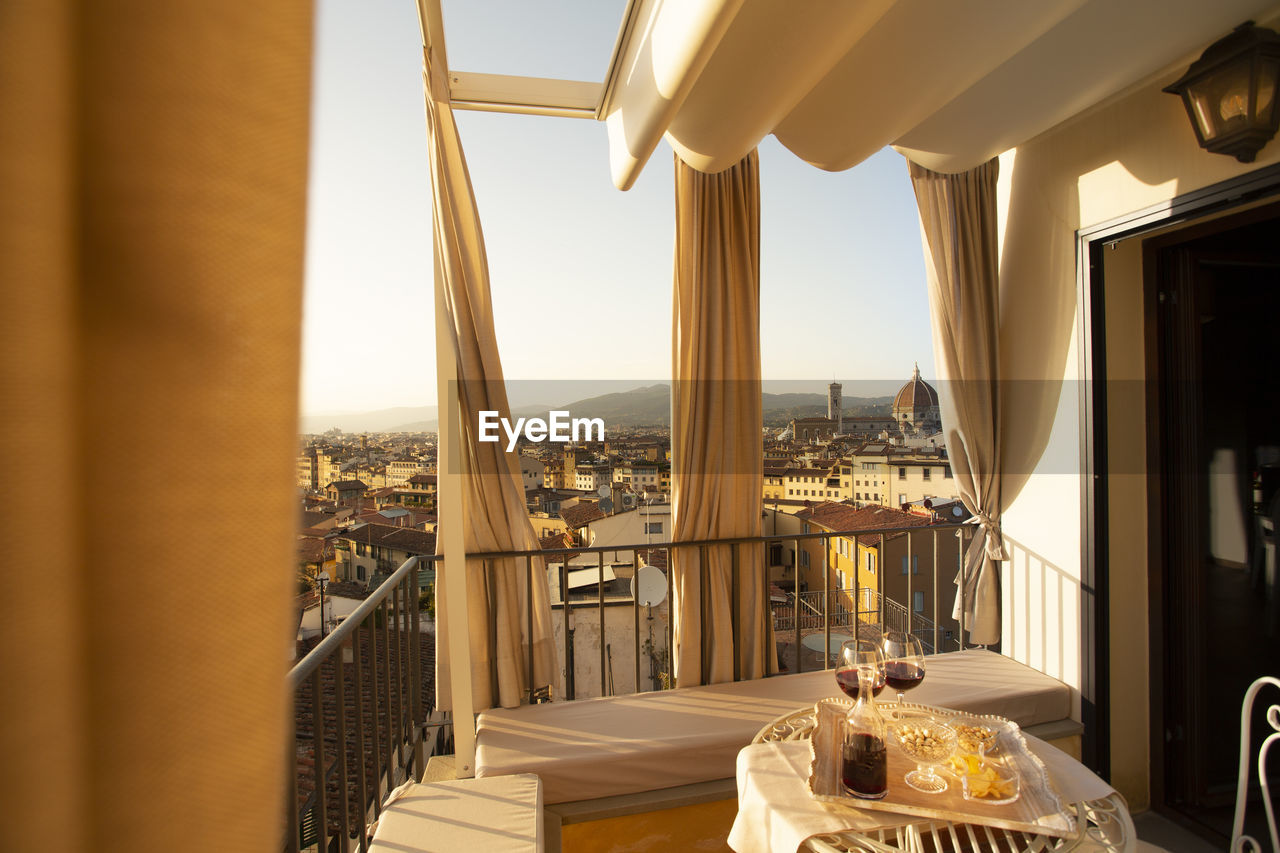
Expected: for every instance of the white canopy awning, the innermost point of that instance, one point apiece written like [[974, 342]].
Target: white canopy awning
[[950, 84]]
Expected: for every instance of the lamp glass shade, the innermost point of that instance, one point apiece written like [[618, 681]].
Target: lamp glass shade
[[1230, 92], [1268, 74]]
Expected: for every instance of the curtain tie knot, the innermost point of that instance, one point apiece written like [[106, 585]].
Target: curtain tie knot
[[994, 540]]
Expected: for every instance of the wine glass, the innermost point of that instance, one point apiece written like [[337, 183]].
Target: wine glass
[[903, 662], [856, 655]]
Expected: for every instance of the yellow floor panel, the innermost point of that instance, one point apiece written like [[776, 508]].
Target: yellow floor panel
[[702, 827]]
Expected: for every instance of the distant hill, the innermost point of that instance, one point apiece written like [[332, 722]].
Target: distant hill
[[649, 405], [382, 420], [433, 424], [646, 406]]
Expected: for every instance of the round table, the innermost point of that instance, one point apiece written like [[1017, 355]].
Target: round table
[[1101, 825]]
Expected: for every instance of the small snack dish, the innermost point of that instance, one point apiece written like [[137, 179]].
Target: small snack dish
[[975, 735], [928, 742], [985, 780]]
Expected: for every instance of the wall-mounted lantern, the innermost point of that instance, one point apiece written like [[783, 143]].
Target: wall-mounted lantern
[[1230, 92]]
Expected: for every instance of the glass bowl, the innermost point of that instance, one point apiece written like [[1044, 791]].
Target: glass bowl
[[928, 742], [984, 780], [972, 733]]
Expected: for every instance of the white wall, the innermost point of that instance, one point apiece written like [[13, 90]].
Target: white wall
[[1132, 153], [619, 637], [627, 528]]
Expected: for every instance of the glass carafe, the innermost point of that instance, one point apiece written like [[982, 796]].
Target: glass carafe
[[864, 767]]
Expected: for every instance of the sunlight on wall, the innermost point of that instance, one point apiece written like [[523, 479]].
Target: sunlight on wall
[[1112, 188]]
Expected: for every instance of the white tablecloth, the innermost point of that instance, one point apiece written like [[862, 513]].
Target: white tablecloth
[[776, 812]]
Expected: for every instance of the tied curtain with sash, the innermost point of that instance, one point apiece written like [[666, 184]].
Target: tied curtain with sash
[[958, 221]]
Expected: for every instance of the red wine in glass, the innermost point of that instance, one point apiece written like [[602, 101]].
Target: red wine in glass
[[854, 655], [848, 681], [901, 675], [864, 766], [903, 662]]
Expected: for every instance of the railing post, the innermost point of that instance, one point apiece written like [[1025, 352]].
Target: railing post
[[600, 612], [450, 522], [570, 687], [375, 715], [770, 648], [937, 617], [293, 841], [671, 643], [882, 585], [395, 658], [635, 609], [960, 549], [416, 716], [361, 786], [826, 602], [528, 581], [317, 752], [340, 701], [857, 596], [911, 604], [391, 751], [795, 593]]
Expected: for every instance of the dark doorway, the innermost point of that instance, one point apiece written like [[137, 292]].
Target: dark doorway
[[1217, 329]]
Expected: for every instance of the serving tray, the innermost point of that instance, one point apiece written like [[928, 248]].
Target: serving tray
[[1038, 809]]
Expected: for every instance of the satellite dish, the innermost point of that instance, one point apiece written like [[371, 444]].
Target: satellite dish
[[957, 511], [604, 491], [652, 585], [606, 506]]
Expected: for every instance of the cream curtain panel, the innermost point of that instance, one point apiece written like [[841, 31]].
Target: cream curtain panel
[[958, 220], [716, 448], [493, 505], [153, 167]]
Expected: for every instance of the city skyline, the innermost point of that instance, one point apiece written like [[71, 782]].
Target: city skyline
[[580, 272]]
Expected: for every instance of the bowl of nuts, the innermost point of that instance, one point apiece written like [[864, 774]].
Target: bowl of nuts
[[928, 742], [974, 735]]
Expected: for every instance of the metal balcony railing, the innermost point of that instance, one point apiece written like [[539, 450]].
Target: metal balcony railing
[[362, 710], [361, 713], [818, 610]]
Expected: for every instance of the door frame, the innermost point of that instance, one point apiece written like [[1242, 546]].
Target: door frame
[[1095, 650]]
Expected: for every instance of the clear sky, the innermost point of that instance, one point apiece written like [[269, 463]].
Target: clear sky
[[581, 273]]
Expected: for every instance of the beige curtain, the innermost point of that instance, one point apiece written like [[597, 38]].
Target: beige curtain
[[492, 498], [716, 446], [152, 201], [958, 218]]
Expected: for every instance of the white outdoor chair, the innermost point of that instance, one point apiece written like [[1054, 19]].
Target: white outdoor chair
[[1241, 843]]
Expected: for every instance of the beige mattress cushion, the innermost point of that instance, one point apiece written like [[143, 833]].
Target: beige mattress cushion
[[499, 815], [624, 744]]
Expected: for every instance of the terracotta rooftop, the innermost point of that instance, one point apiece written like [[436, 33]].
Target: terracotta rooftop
[[844, 517], [314, 549], [580, 515], [556, 541], [407, 539]]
